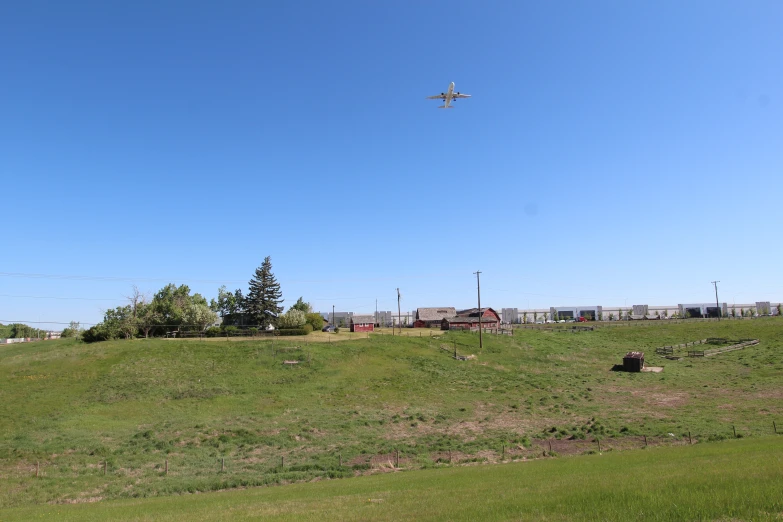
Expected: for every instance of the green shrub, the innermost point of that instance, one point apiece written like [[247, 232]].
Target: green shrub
[[96, 333], [212, 331], [230, 330], [292, 331], [316, 321], [308, 328], [336, 329]]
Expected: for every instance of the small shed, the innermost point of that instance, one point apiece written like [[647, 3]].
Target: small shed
[[362, 323], [633, 361]]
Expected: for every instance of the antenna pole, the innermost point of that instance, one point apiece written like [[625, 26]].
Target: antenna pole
[[478, 286], [399, 314], [717, 305]]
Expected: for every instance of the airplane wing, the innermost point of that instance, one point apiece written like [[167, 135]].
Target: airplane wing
[[437, 97], [460, 95]]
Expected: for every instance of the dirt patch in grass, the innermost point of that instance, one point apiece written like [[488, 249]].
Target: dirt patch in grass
[[485, 419], [578, 447], [80, 500], [770, 394], [666, 400]]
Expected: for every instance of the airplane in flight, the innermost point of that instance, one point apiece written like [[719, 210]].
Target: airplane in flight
[[448, 97]]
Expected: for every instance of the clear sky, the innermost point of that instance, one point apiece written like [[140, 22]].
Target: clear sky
[[613, 152]]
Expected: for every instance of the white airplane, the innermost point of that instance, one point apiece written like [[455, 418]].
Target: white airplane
[[448, 96]]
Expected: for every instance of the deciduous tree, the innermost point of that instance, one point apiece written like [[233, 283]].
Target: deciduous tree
[[293, 318], [170, 303], [147, 318], [199, 315], [300, 304]]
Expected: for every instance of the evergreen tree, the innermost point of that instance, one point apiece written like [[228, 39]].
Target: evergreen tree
[[263, 301]]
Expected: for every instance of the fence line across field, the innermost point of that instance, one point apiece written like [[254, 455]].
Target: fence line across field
[[379, 459]]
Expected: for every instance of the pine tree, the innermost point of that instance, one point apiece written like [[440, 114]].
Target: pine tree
[[263, 303]]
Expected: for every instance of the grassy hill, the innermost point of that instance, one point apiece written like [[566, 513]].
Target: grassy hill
[[137, 404]]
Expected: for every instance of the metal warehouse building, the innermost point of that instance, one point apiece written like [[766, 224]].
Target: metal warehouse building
[[591, 313], [703, 310]]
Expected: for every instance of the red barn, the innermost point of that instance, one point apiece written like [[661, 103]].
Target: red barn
[[469, 323], [469, 320], [486, 313], [362, 323]]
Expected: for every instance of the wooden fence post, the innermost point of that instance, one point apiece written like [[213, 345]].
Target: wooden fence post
[[396, 458], [282, 461], [37, 468], [689, 438], [735, 431], [774, 426], [104, 467], [645, 441], [599, 445], [167, 466], [340, 461], [449, 456], [222, 464], [503, 457], [550, 446]]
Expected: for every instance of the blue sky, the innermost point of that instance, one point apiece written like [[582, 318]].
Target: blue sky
[[612, 152]]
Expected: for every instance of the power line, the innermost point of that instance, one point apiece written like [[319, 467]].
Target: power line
[[20, 321], [73, 277], [67, 298]]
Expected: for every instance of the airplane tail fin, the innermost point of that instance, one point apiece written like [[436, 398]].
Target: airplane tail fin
[[444, 107]]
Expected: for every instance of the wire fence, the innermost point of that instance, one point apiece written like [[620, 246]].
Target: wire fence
[[386, 459]]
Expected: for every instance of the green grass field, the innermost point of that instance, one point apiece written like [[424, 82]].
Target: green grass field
[[134, 405], [728, 481]]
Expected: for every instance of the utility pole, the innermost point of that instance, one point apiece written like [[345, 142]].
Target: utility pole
[[376, 311], [720, 312], [478, 285], [399, 315], [334, 321]]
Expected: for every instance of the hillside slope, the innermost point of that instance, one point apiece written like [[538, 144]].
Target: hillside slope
[[137, 404]]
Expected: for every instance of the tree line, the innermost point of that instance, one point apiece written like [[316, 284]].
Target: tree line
[[15, 330], [173, 309]]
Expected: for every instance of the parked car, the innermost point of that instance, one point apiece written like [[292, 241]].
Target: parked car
[[582, 319], [328, 328]]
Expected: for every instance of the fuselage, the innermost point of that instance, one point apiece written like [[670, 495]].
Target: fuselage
[[449, 94]]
